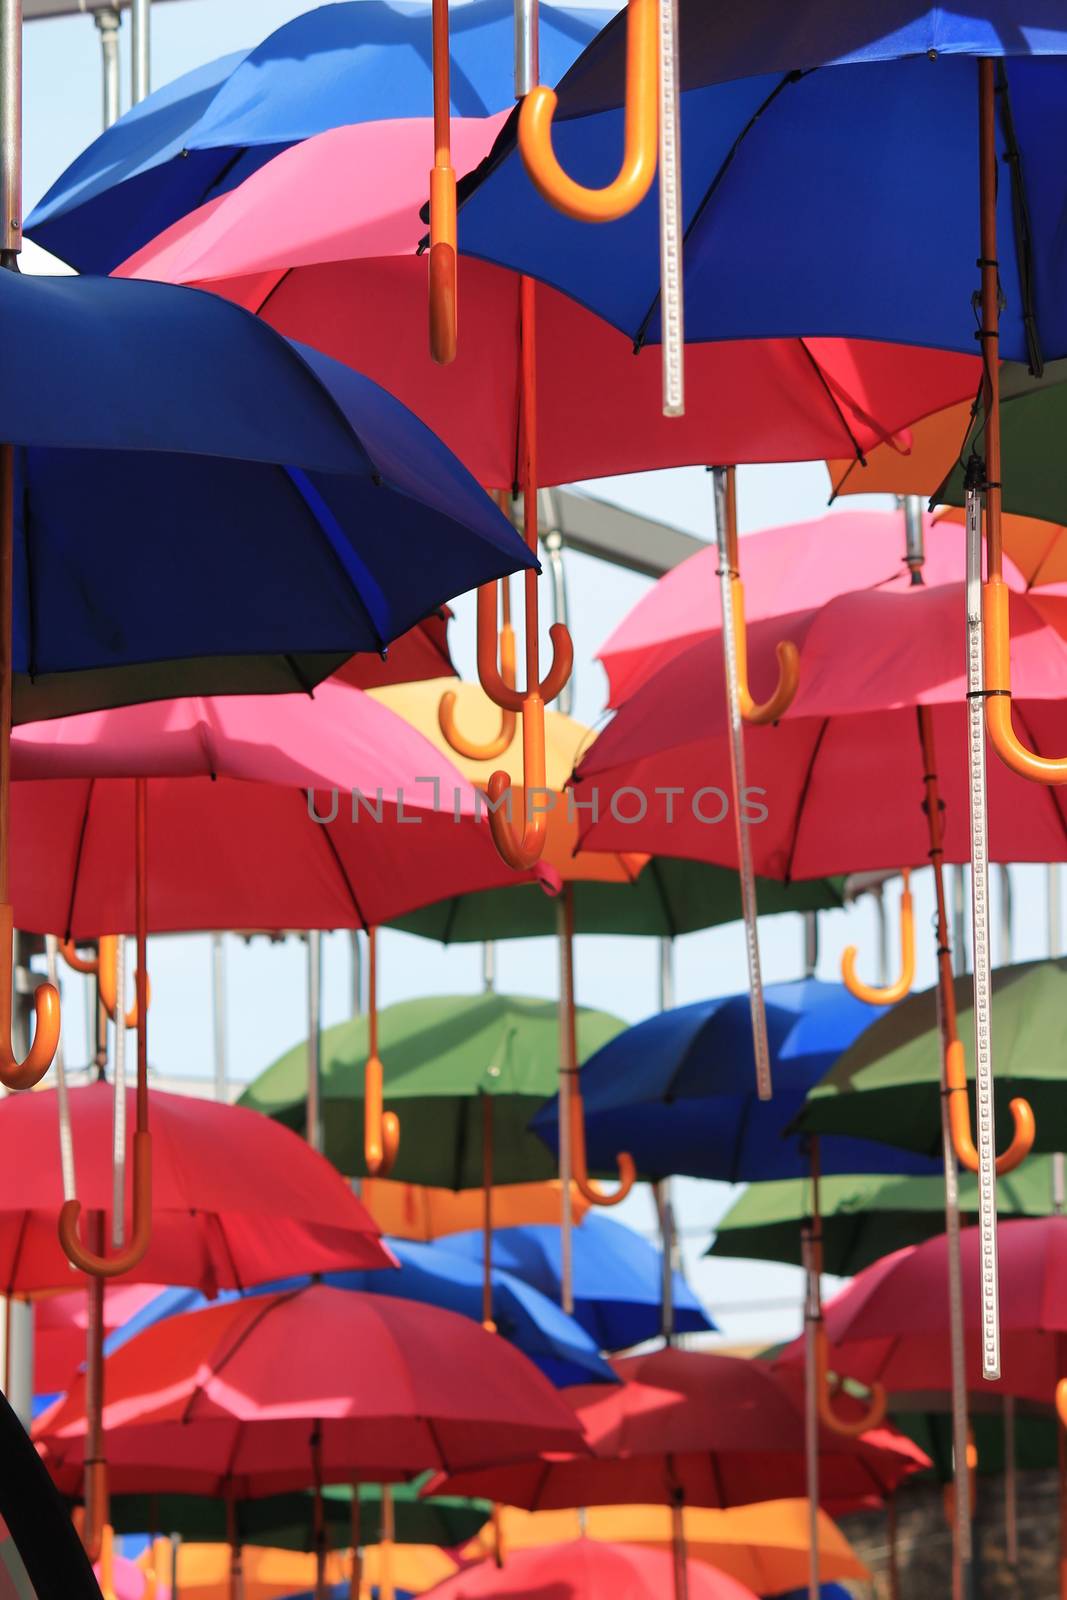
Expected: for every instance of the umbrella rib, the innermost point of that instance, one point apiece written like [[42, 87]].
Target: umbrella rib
[[76, 874], [451, 914], [327, 839], [271, 292], [17, 1252], [802, 801], [861, 459], [1021, 225], [269, 1303]]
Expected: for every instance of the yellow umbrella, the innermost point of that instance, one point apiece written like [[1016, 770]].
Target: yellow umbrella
[[413, 1211], [764, 1546], [413, 1568], [204, 1570]]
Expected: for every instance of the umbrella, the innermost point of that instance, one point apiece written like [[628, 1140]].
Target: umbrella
[[863, 1218], [209, 129], [677, 1090], [413, 1211], [763, 1545], [420, 653], [618, 1278], [443, 1057], [61, 1322], [586, 1569], [260, 1396]]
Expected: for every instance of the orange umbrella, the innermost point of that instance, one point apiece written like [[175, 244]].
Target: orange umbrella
[[915, 461], [204, 1570], [414, 1211]]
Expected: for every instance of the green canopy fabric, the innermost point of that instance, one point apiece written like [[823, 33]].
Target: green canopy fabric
[[887, 1085], [669, 897], [1033, 423], [286, 1521], [864, 1218], [440, 1057], [1035, 1439]]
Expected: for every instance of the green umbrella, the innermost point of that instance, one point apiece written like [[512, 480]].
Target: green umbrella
[[1033, 421], [889, 1080], [668, 897], [864, 1218], [443, 1058], [1035, 1440], [286, 1521]]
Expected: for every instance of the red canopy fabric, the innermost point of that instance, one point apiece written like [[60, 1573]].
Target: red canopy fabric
[[241, 1398], [59, 1329], [236, 1198], [419, 654], [587, 1569]]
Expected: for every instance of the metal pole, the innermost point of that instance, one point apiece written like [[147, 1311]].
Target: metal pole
[[883, 938], [488, 966], [18, 1385], [107, 21], [1055, 924], [218, 1003], [914, 550], [664, 1202], [10, 129], [811, 943], [811, 1247], [567, 1066], [1007, 942], [527, 66], [666, 974], [313, 1131], [140, 50], [1011, 1496], [356, 1006], [553, 544]]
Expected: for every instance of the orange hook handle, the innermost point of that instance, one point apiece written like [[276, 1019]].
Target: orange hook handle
[[1061, 1401], [586, 1186], [381, 1128], [91, 1529], [788, 667], [141, 1233], [104, 968], [894, 991], [492, 678], [443, 233], [872, 1417], [446, 710], [641, 144], [16, 1074], [1039, 769], [959, 1117], [522, 851]]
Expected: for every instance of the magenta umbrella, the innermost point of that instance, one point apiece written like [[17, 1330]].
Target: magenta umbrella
[[343, 275]]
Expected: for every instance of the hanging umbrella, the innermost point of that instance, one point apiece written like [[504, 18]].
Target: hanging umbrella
[[618, 1278], [585, 1569], [206, 131], [763, 1545], [260, 1396], [677, 1090], [863, 1218], [60, 1325], [413, 1211], [442, 1057], [420, 653]]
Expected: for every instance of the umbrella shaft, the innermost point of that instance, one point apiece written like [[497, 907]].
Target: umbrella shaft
[[10, 128]]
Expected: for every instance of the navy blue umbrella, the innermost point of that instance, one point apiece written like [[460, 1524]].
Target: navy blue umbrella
[[678, 1091], [361, 61], [193, 489], [618, 1278], [830, 176], [562, 1349]]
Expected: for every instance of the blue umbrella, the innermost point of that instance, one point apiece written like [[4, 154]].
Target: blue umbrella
[[362, 61], [678, 1090], [830, 179], [194, 489], [829, 1591], [562, 1349], [618, 1278]]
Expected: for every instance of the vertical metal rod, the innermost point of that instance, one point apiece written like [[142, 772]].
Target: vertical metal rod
[[386, 1589], [107, 22], [313, 1131], [95, 1471], [958, 880], [672, 297], [1011, 1492], [175, 1547], [1007, 917], [10, 128], [567, 1067], [355, 1580], [893, 1553], [914, 542], [1055, 920], [527, 63], [664, 1201], [811, 943], [118, 1116], [356, 1000], [811, 1244], [883, 937], [140, 50], [552, 542], [679, 1551], [488, 966], [218, 1014]]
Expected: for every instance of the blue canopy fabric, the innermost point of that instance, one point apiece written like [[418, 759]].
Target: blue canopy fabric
[[192, 488], [553, 1341], [828, 1591], [359, 61], [678, 1091], [618, 1278], [817, 199]]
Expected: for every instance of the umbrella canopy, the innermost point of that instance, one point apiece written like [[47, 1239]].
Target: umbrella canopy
[[413, 1211], [585, 1569], [235, 1198], [160, 435], [618, 1278], [441, 1056], [422, 652], [706, 1430], [295, 812], [1033, 419], [863, 1218], [763, 1546], [287, 1522], [344, 276], [261, 1396], [204, 1571], [891, 1323], [364, 60], [679, 1092], [771, 144], [60, 1325], [889, 1078]]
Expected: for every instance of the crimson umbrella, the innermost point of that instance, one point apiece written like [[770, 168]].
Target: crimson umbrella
[[307, 1387], [586, 1569], [61, 1323]]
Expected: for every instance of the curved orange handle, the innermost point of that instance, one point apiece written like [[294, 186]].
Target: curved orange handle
[[104, 968], [446, 710], [69, 951], [522, 851], [443, 294], [16, 1074], [641, 145], [586, 1186], [493, 679], [959, 1116], [141, 1233], [894, 991], [1039, 769], [1061, 1401], [872, 1417], [788, 667], [92, 1533], [381, 1128]]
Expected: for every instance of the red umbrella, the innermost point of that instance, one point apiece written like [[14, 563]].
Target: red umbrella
[[420, 653], [587, 1570], [686, 1427], [61, 1324], [236, 1198], [278, 1392]]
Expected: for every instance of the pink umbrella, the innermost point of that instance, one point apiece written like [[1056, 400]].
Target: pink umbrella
[[587, 1569], [343, 275], [61, 1323]]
